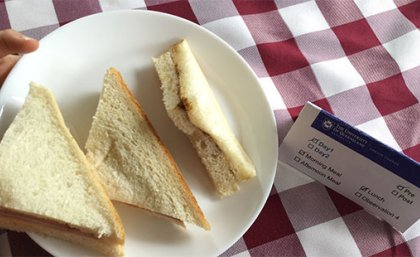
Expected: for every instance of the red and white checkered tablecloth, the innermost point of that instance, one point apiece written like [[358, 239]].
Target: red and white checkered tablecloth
[[358, 59]]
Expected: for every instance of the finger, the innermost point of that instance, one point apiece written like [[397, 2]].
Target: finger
[[12, 42], [6, 65]]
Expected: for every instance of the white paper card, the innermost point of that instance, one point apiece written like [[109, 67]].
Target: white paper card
[[378, 178]]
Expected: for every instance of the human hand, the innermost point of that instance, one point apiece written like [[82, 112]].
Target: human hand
[[13, 43]]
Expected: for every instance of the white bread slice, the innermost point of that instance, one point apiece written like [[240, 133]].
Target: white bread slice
[[47, 185], [134, 165], [191, 104]]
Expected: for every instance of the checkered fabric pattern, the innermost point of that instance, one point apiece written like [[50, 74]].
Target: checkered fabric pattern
[[358, 59]]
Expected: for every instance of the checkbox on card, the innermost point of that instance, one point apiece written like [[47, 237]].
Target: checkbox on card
[[310, 146], [358, 194], [297, 159], [301, 152]]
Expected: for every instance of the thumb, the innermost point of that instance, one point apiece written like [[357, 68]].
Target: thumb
[[12, 42]]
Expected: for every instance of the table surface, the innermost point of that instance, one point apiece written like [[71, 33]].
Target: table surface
[[359, 60]]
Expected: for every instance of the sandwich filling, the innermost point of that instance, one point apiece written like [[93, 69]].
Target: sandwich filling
[[14, 218]]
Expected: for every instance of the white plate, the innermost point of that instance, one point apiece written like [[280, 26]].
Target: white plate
[[72, 61]]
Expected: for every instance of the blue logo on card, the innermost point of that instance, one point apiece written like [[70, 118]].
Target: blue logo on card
[[327, 124]]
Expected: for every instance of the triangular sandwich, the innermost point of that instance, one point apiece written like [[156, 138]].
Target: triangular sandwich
[[47, 186], [134, 165]]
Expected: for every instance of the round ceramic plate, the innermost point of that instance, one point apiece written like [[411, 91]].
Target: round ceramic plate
[[72, 61]]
